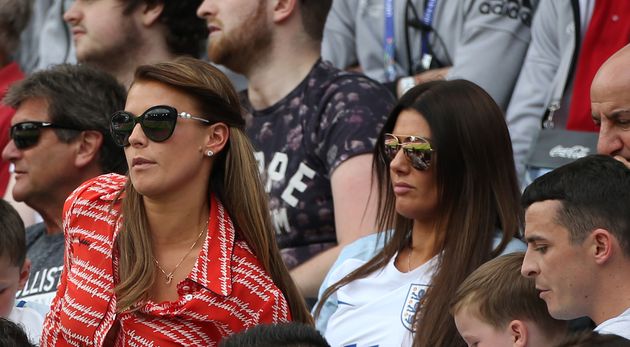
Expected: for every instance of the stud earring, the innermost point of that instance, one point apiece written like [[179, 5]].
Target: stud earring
[[209, 153]]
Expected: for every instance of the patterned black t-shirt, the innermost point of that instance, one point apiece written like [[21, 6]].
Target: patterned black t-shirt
[[331, 116]]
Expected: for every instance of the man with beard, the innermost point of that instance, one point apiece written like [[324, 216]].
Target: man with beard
[[313, 126], [116, 36]]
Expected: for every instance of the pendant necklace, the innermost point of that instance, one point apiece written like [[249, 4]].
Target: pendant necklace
[[169, 276]]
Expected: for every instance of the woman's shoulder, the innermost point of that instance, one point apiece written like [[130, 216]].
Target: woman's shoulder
[[246, 264], [253, 284], [104, 187], [93, 198]]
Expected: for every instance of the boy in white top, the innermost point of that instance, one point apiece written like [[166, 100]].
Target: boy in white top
[[14, 271], [496, 306], [577, 228]]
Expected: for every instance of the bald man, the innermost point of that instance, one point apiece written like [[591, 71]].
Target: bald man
[[610, 104]]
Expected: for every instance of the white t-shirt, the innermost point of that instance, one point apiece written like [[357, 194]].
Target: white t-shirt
[[377, 310], [619, 325], [30, 320]]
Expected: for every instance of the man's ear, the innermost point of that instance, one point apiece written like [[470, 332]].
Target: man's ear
[[602, 245], [25, 271], [88, 146], [218, 136], [151, 12], [283, 9], [518, 330]]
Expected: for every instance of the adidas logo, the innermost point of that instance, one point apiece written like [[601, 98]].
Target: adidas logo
[[513, 9]]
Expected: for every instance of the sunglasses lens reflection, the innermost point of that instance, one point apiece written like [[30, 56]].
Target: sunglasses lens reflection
[[122, 124], [391, 146], [417, 150], [25, 135], [157, 124]]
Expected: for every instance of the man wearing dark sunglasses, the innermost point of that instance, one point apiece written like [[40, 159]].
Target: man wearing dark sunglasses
[[59, 138]]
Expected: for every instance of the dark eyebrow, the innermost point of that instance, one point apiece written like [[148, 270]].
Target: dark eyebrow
[[532, 239], [617, 114]]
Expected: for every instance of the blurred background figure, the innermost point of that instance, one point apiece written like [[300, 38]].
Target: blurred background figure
[[14, 17], [609, 101], [118, 36], [406, 42], [47, 39], [570, 41]]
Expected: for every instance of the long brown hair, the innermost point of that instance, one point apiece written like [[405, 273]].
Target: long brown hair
[[235, 180], [477, 194]]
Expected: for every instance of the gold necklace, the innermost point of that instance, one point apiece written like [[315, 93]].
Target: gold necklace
[[169, 276]]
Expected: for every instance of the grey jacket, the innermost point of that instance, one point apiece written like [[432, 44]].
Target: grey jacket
[[543, 78], [47, 39], [481, 45]]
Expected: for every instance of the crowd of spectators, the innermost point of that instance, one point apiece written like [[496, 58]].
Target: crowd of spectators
[[315, 172]]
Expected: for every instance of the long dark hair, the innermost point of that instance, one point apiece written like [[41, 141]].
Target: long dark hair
[[477, 194]]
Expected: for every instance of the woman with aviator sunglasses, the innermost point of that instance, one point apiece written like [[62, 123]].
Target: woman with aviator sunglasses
[[448, 202], [181, 251]]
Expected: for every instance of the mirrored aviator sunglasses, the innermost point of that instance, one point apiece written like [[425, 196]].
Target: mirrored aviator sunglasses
[[417, 150], [158, 124], [26, 134]]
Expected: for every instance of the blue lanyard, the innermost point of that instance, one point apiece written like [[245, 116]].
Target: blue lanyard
[[388, 42], [427, 20]]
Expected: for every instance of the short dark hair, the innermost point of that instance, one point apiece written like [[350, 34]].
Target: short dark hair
[[593, 339], [186, 33], [12, 235], [14, 16], [314, 14], [594, 192], [11, 334], [81, 97], [273, 335]]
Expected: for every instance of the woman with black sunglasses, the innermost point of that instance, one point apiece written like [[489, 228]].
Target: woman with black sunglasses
[[181, 251], [448, 202]]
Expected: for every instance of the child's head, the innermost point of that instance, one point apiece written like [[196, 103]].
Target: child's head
[[497, 306], [12, 334], [14, 268]]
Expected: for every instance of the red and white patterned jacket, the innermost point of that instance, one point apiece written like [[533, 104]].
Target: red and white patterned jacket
[[227, 290]]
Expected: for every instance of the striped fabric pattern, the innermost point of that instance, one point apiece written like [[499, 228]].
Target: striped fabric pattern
[[227, 291]]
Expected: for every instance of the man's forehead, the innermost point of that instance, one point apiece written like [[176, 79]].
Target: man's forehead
[[31, 109], [613, 77], [541, 215]]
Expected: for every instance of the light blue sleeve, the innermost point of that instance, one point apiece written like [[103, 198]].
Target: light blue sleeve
[[515, 245], [362, 249]]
